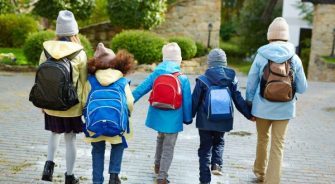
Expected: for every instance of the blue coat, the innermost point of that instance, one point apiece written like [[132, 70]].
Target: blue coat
[[167, 121], [277, 52], [217, 76]]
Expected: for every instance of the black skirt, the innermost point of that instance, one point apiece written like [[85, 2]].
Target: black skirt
[[63, 124]]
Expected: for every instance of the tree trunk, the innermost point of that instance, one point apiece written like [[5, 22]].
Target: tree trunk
[[269, 9]]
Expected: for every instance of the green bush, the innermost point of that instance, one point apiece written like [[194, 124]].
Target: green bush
[[136, 14], [187, 46], [232, 48], [145, 46], [87, 45], [201, 49], [14, 29], [33, 47], [34, 44]]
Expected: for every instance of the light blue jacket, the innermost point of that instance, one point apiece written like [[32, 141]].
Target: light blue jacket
[[277, 52], [167, 121]]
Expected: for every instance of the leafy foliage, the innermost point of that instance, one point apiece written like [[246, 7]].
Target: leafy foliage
[[201, 49], [99, 14], [145, 46], [87, 45], [251, 27], [49, 9], [187, 46], [306, 11], [136, 14], [15, 29], [33, 47], [6, 7]]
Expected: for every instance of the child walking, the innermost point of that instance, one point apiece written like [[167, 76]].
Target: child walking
[[67, 45], [211, 102], [104, 123], [164, 117]]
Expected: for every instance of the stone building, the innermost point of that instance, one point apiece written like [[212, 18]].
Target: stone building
[[183, 18], [192, 18], [322, 41]]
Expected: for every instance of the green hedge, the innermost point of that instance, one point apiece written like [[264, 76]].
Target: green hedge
[[14, 29], [187, 46], [201, 49], [33, 47], [232, 49], [145, 46]]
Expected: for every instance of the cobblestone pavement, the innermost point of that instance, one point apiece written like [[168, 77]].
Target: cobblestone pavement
[[309, 150]]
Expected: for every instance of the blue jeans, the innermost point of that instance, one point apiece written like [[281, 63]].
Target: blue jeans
[[98, 157], [210, 152]]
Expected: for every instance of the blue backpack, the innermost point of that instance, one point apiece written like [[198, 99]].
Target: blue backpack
[[106, 111], [217, 102]]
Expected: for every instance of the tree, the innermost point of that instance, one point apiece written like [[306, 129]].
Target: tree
[[269, 9], [252, 27], [6, 7], [136, 14], [229, 11], [306, 11], [49, 9]]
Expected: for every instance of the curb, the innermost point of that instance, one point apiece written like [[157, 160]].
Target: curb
[[13, 68]]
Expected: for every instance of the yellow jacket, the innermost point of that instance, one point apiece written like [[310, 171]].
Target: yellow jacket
[[105, 78], [60, 49]]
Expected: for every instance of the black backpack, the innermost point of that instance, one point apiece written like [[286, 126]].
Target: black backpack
[[53, 88]]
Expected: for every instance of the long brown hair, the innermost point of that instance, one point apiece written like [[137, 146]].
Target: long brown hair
[[123, 61]]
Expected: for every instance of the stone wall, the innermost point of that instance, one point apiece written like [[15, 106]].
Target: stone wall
[[102, 32], [184, 18], [322, 40], [191, 18], [325, 70]]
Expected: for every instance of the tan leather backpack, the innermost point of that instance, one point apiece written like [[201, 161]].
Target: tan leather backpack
[[277, 83]]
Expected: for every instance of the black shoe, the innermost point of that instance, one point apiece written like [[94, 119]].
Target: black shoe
[[48, 171], [70, 179], [216, 169], [114, 179]]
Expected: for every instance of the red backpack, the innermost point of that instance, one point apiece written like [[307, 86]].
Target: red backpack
[[166, 92]]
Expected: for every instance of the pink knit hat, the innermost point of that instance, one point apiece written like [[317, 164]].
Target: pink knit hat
[[103, 54], [172, 52], [278, 30]]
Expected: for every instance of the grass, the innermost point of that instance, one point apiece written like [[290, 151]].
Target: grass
[[239, 64], [18, 52], [329, 59]]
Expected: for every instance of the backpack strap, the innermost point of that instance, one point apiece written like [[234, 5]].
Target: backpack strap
[[93, 81], [176, 74], [204, 80], [66, 59]]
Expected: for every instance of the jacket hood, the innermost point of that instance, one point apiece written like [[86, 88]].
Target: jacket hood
[[220, 75], [277, 51], [168, 66], [108, 76], [60, 49]]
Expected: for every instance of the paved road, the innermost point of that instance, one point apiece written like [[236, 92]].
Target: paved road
[[309, 150]]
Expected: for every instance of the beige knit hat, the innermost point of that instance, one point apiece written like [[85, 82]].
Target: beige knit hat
[[103, 54], [172, 52], [278, 30]]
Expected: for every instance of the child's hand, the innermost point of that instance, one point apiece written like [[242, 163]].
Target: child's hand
[[188, 123], [253, 119]]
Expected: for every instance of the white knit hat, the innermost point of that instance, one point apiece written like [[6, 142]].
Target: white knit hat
[[172, 52], [66, 24], [278, 30]]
